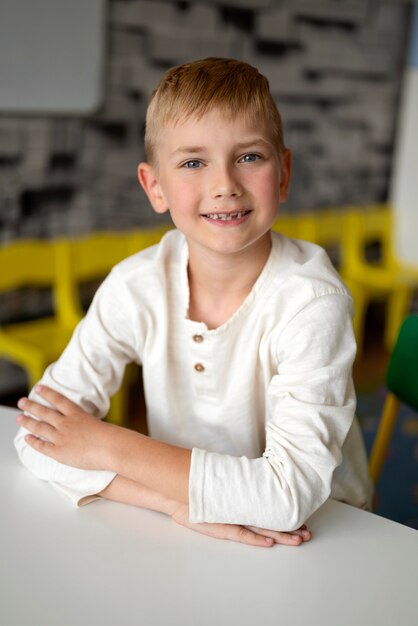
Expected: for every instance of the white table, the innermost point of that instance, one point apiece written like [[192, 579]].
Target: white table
[[112, 564]]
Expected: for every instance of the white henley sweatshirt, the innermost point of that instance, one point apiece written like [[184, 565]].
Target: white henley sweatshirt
[[269, 410]]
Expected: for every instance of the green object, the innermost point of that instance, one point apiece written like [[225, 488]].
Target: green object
[[402, 374]]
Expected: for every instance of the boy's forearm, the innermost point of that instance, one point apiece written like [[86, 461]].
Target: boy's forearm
[[161, 467], [75, 438], [128, 491]]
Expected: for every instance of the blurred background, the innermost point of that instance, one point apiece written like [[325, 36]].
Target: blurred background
[[75, 79]]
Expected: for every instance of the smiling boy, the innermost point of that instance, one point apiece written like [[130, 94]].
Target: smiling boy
[[222, 179], [244, 338]]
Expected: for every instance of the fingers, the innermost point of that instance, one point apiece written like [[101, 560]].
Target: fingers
[[44, 447], [232, 532], [36, 427], [42, 433], [63, 404], [294, 538], [51, 416], [304, 532], [248, 535], [240, 534]]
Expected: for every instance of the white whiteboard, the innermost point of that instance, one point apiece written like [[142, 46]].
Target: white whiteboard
[[404, 194], [51, 55], [404, 188]]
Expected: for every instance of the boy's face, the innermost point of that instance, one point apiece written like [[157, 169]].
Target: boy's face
[[221, 180]]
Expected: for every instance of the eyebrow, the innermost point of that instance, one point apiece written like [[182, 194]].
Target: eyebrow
[[258, 141]]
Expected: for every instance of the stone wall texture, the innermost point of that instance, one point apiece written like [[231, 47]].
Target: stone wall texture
[[334, 67]]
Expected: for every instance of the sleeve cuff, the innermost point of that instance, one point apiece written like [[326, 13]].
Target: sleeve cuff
[[84, 493], [196, 508]]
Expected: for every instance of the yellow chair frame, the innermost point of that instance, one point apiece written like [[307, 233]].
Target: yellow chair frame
[[288, 225], [387, 279], [35, 343]]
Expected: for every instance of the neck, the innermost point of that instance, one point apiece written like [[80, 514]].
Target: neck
[[220, 283]]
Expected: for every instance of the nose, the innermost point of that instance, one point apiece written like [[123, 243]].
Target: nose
[[225, 183]]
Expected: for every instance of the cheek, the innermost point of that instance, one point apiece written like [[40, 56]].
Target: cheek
[[268, 187], [182, 195]]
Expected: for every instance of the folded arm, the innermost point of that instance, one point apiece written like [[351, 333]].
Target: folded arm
[[310, 410], [124, 490], [311, 404], [69, 435]]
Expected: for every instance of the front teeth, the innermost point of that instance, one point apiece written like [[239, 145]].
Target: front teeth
[[227, 217]]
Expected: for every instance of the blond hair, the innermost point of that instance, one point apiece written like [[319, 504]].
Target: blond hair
[[193, 89]]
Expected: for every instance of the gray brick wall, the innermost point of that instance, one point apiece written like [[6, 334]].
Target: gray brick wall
[[334, 68]]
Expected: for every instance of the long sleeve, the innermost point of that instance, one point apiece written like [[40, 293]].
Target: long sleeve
[[89, 372], [269, 410], [310, 409]]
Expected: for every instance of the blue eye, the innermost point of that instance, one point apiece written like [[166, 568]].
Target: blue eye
[[192, 165], [250, 158]]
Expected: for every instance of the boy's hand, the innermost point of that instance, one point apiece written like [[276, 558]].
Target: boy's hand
[[243, 534], [66, 433]]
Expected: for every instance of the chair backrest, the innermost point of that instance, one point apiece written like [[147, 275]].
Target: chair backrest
[[287, 225], [402, 374], [90, 259], [362, 227], [325, 227], [27, 263], [38, 263], [94, 256], [64, 264], [145, 237]]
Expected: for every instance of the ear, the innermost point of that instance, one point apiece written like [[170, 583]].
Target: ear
[[285, 174], [148, 180]]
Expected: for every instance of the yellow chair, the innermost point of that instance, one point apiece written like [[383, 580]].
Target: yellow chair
[[401, 381], [145, 237], [287, 224], [90, 259], [33, 344], [384, 279], [93, 256], [324, 227]]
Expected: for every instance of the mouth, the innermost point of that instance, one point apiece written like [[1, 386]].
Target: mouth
[[227, 217]]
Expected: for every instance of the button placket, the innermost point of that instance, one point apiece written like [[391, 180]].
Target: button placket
[[201, 351], [198, 339]]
